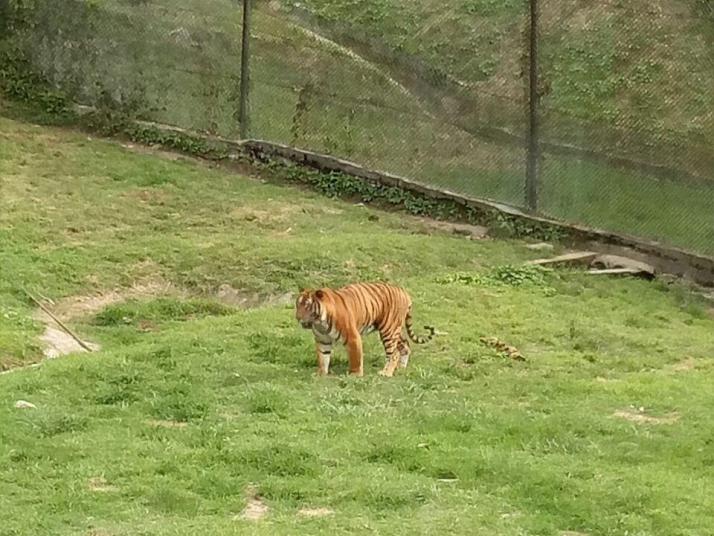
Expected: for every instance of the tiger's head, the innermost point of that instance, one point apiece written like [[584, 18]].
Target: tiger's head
[[308, 309]]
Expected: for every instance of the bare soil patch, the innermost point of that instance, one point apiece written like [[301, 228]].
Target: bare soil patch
[[640, 417], [57, 342], [255, 509], [166, 424], [428, 226], [685, 365], [315, 512], [244, 299], [75, 307], [99, 484]]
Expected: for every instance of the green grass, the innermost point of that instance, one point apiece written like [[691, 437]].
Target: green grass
[[164, 430]]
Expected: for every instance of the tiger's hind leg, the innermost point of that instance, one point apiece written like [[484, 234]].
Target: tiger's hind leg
[[404, 352], [391, 342], [354, 352]]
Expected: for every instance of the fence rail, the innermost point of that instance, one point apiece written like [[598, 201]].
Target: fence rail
[[610, 124]]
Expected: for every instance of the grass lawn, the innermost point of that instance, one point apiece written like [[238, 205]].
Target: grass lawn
[[194, 411]]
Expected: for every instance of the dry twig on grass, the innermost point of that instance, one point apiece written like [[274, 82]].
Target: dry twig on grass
[[59, 322], [507, 349]]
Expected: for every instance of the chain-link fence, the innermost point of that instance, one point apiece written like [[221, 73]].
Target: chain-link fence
[[435, 91]]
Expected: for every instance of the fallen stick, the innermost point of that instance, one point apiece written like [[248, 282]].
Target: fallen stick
[[606, 271], [502, 347], [15, 369], [582, 257], [58, 321]]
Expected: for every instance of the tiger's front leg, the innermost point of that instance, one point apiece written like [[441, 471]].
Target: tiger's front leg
[[324, 354]]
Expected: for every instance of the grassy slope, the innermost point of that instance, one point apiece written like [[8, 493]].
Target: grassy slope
[[184, 63], [464, 441], [625, 62]]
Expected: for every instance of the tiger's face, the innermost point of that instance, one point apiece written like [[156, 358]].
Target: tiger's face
[[307, 308]]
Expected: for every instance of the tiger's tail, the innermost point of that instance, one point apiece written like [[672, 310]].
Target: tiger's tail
[[417, 339]]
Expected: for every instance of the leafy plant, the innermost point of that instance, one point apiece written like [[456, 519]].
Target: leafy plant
[[505, 275]]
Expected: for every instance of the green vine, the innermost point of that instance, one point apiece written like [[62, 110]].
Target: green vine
[[178, 141], [340, 185]]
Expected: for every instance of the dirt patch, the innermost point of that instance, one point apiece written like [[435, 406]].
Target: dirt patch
[[602, 379], [315, 512], [541, 246], [155, 151], [640, 417], [684, 366], [77, 307], [8, 363], [428, 226], [98, 484], [166, 424], [274, 214], [83, 306], [247, 299], [255, 509], [57, 342], [270, 215], [149, 196]]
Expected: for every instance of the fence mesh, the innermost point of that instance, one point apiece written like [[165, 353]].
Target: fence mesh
[[631, 90], [437, 92]]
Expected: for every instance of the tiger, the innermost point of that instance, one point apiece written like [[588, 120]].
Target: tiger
[[345, 314]]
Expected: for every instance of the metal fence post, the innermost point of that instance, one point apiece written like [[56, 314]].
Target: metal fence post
[[244, 113], [533, 157]]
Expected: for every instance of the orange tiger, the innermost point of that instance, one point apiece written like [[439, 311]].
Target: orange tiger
[[345, 314]]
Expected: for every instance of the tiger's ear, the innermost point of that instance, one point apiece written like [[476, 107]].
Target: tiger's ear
[[319, 294]]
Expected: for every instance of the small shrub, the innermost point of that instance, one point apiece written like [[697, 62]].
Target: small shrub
[[506, 275]]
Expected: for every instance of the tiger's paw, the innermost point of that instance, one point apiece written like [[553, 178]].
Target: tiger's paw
[[386, 373]]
